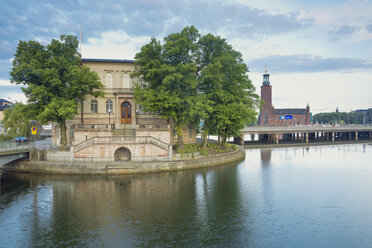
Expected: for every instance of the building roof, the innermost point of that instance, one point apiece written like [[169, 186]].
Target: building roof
[[109, 60], [290, 111], [4, 101]]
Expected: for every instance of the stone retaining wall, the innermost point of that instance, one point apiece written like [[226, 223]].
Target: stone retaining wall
[[123, 167]]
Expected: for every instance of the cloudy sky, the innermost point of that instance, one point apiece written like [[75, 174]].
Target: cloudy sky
[[317, 52]]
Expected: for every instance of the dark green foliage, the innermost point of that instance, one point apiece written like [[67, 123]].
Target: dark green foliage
[[5, 137], [17, 120], [192, 78], [210, 149], [55, 79], [228, 96], [344, 117], [169, 69]]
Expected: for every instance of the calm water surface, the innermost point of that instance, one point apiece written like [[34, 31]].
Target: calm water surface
[[283, 197]]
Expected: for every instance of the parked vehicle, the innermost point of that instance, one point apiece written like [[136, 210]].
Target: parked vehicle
[[20, 139]]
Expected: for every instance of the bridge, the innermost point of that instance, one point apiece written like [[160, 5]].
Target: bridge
[[304, 133], [11, 151]]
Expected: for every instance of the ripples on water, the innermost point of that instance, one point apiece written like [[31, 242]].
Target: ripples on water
[[282, 197]]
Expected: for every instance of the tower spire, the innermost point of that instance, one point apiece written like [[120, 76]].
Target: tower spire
[[266, 81]]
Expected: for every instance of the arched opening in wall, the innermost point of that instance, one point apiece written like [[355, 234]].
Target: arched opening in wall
[[122, 154]]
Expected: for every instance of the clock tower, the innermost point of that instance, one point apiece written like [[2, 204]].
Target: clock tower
[[267, 112]]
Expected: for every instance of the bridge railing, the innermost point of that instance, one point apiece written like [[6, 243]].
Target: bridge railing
[[11, 146], [308, 128]]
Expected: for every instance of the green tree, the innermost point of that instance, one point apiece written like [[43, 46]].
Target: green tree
[[17, 120], [55, 79], [229, 96], [169, 70]]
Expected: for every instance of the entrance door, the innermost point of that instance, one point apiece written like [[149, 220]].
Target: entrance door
[[126, 113]]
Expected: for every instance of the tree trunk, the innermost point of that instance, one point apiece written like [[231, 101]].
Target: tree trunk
[[223, 138], [205, 135], [180, 144], [82, 111], [63, 134]]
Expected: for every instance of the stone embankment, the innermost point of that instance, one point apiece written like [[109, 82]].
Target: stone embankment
[[124, 167]]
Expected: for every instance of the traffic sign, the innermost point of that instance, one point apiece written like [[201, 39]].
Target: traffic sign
[[34, 130], [285, 117]]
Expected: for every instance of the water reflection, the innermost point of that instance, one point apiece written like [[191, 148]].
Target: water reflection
[[134, 210], [265, 156], [279, 197]]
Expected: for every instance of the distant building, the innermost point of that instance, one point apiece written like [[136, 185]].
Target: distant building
[[269, 116], [363, 110], [4, 104]]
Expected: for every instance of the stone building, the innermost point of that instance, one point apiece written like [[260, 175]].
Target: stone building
[[115, 128], [269, 116], [4, 104]]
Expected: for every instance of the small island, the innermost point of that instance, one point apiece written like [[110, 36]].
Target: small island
[[113, 116]]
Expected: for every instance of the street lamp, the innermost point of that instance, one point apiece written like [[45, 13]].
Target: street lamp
[[109, 112]]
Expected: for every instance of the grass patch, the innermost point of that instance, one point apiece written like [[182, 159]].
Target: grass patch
[[211, 149]]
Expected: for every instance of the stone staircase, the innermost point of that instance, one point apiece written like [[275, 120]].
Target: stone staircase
[[123, 140]]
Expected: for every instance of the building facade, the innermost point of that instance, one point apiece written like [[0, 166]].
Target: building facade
[[115, 127], [269, 116], [4, 104]]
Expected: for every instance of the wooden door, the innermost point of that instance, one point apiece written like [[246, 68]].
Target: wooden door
[[126, 113]]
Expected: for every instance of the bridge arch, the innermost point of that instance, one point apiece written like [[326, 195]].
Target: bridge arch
[[122, 154]]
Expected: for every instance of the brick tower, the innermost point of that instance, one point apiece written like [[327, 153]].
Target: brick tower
[[267, 112]]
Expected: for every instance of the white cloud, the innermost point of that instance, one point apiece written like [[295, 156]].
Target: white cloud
[[16, 97], [5, 83], [323, 91], [114, 45]]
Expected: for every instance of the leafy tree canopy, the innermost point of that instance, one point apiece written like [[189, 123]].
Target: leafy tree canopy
[[55, 79], [191, 77], [17, 120], [169, 70]]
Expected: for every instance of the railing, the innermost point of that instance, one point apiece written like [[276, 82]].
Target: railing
[[94, 126], [122, 140], [8, 146], [305, 128], [140, 127], [152, 127], [14, 146]]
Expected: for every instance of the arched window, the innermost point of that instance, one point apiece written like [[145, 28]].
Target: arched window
[[127, 84], [108, 80], [94, 106], [109, 108]]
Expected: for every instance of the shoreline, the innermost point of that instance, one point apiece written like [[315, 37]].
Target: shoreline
[[255, 146], [115, 168]]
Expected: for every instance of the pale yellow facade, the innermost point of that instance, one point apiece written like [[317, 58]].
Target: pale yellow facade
[[114, 126]]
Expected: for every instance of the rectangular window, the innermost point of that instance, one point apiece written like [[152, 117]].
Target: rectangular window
[[94, 106], [266, 118]]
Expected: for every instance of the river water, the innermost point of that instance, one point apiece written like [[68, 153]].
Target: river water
[[318, 196]]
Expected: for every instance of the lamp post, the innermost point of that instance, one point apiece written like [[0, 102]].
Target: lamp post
[[109, 112]]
